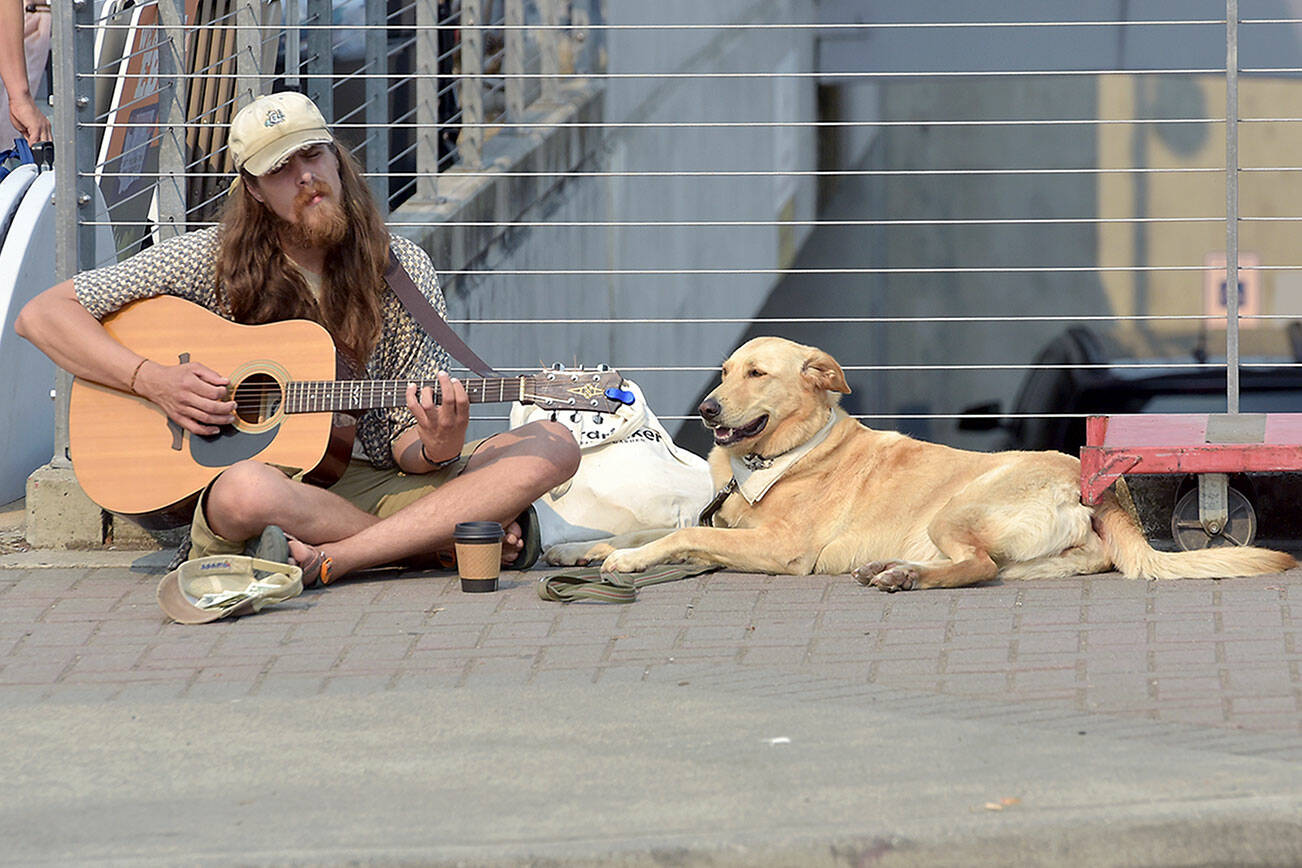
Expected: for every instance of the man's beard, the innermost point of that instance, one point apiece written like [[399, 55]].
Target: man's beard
[[322, 225]]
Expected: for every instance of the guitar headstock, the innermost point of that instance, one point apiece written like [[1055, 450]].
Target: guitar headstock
[[594, 391]]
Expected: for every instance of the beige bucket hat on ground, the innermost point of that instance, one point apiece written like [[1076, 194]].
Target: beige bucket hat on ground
[[226, 586]]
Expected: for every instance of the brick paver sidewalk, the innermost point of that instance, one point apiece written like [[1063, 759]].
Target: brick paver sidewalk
[[725, 720], [1219, 653]]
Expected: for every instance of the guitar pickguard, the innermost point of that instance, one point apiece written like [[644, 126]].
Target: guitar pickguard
[[229, 446]]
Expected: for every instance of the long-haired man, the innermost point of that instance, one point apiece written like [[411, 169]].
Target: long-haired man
[[301, 237]]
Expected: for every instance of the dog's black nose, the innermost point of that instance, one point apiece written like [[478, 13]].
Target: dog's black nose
[[709, 409]]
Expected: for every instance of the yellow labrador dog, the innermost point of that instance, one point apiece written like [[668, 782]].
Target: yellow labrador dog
[[813, 491]]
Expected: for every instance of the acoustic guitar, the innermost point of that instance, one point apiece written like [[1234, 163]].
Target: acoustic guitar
[[290, 410]]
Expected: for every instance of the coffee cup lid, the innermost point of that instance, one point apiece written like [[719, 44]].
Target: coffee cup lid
[[478, 531]]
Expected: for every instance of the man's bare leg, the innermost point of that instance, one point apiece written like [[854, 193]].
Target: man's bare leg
[[306, 513], [509, 472]]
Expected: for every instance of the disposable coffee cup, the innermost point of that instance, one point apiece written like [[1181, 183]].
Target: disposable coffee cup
[[479, 555]]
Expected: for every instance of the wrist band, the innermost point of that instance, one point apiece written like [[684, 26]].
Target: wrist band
[[438, 465], [131, 386]]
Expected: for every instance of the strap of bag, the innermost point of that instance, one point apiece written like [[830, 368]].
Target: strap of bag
[[21, 151], [435, 326], [20, 154], [590, 583]]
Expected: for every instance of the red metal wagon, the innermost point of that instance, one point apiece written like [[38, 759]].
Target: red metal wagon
[[1210, 446]]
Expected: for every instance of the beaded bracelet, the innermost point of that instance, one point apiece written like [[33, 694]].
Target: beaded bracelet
[[131, 386], [438, 465]]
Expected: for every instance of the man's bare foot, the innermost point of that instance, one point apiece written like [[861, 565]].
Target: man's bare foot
[[512, 543]]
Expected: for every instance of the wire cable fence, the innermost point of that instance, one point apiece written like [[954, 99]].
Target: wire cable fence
[[946, 204]]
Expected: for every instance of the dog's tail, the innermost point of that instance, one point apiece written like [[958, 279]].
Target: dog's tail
[[1131, 554]]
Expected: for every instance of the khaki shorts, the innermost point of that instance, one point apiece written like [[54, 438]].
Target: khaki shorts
[[379, 492]]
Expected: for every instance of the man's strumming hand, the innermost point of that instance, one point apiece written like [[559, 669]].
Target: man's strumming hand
[[192, 395]]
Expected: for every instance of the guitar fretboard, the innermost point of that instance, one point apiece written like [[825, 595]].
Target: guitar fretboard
[[321, 396]]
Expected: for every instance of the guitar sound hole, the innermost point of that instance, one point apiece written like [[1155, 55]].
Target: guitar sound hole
[[257, 399]]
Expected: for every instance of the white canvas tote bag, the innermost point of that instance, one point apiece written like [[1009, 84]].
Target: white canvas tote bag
[[632, 476]]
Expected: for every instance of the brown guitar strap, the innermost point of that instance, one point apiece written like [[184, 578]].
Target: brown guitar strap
[[435, 326]]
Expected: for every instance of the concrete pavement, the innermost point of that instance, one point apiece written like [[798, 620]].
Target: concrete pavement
[[725, 720]]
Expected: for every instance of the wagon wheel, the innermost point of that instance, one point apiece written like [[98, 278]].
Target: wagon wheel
[[1189, 533]]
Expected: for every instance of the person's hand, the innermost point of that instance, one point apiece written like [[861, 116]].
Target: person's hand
[[192, 395], [442, 426], [29, 120]]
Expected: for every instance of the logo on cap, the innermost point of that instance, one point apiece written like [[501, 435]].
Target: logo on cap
[[274, 117]]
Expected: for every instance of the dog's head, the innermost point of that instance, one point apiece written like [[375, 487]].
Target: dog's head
[[774, 395]]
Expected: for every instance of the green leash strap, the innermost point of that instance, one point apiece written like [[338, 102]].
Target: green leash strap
[[590, 583]]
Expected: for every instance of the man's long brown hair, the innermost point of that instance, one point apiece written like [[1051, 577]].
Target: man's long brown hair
[[257, 283]]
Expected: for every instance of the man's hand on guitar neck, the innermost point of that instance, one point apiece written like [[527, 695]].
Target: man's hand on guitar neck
[[191, 395], [440, 429]]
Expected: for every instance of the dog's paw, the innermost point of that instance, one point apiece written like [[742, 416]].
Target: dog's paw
[[889, 576], [865, 574], [577, 554], [625, 561]]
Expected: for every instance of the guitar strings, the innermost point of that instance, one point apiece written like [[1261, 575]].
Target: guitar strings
[[249, 399], [255, 394]]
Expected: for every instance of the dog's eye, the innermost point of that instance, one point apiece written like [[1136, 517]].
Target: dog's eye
[[754, 372]]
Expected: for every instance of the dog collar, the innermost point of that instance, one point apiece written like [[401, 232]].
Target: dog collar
[[755, 475]]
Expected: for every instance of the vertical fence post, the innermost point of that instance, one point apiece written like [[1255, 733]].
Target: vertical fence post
[[1232, 205], [377, 101], [293, 45], [594, 43], [248, 53], [173, 87], [72, 49], [471, 142], [514, 41], [549, 41], [581, 36], [427, 99], [320, 57]]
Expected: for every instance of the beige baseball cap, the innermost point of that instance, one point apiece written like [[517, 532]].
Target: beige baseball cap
[[226, 586], [267, 132]]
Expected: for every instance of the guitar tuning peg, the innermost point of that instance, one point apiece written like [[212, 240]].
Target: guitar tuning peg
[[596, 419], [603, 368], [576, 418], [557, 366], [554, 419]]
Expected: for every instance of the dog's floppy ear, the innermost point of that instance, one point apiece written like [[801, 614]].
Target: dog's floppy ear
[[823, 371]]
